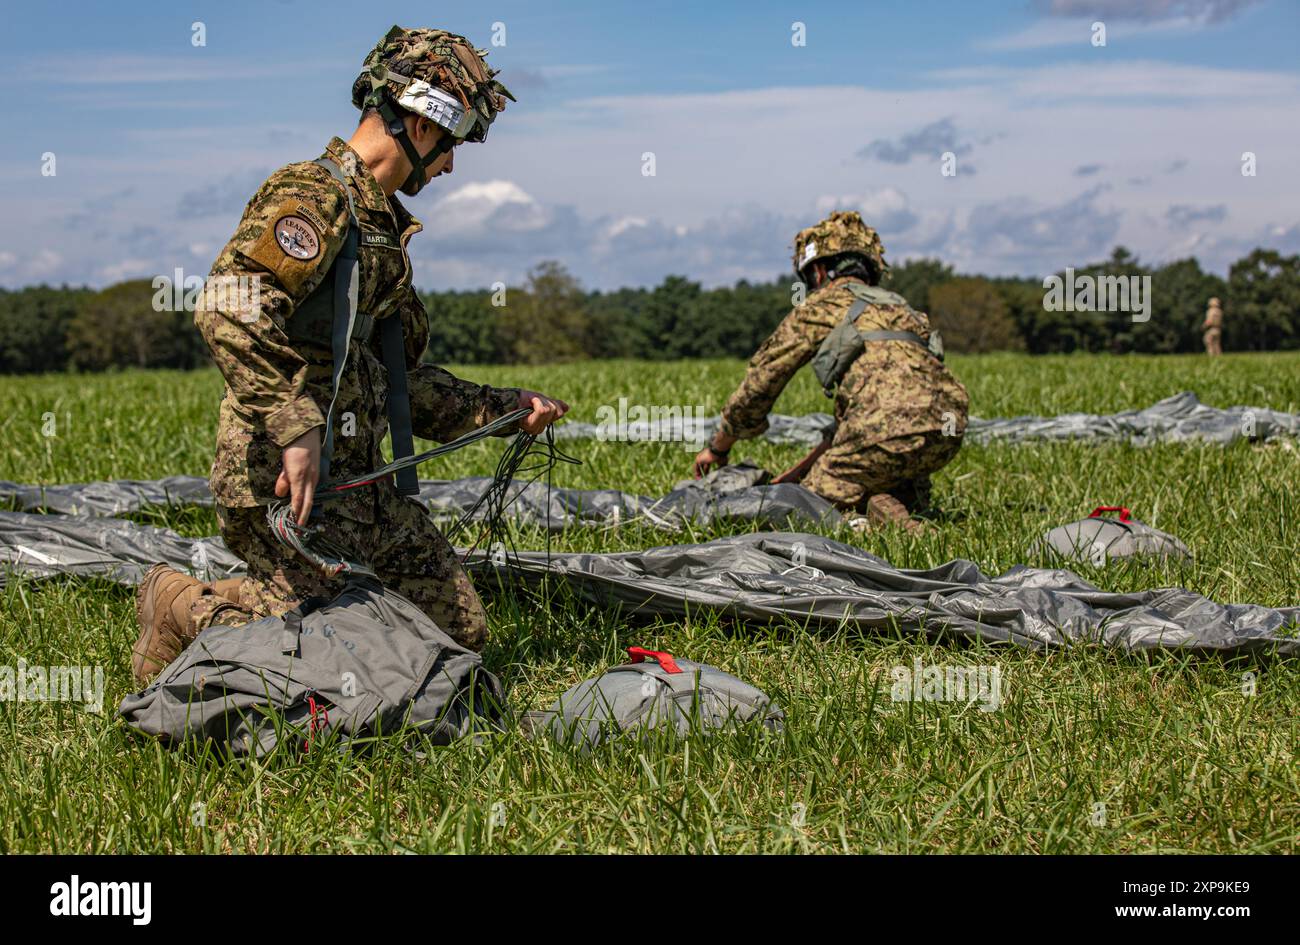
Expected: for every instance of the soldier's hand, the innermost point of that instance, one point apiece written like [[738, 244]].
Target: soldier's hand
[[299, 473], [705, 460], [545, 411]]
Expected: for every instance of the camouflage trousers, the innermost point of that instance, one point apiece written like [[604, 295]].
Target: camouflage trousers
[[404, 548], [849, 472]]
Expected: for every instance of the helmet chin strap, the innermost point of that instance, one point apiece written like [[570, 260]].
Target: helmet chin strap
[[397, 128]]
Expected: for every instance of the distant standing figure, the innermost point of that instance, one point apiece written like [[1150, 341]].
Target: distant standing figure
[[1213, 329]]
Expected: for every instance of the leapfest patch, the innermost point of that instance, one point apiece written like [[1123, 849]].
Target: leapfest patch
[[297, 238], [292, 247]]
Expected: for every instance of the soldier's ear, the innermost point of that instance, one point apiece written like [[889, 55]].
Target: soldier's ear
[[423, 130]]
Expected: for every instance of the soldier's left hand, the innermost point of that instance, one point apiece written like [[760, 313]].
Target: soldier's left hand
[[545, 411]]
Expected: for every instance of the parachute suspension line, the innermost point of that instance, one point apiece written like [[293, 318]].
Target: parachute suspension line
[[333, 561], [500, 493], [333, 489]]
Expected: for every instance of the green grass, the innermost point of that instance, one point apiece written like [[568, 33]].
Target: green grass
[[1181, 758]]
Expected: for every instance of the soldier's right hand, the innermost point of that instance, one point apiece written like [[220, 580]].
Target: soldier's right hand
[[705, 460], [299, 473]]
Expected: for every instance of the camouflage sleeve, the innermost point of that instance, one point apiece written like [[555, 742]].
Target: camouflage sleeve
[[289, 235], [786, 350], [444, 407]]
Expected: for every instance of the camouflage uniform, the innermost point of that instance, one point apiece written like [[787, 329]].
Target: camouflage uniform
[[900, 415], [278, 388], [1213, 326]]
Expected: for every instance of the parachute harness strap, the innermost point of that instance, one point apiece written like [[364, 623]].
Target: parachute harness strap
[[394, 118]]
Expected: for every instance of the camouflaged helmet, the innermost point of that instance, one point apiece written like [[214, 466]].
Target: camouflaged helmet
[[841, 232], [433, 73]]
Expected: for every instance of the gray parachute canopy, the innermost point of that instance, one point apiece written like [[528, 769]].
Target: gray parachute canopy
[[817, 582], [735, 493], [813, 581], [1181, 418]]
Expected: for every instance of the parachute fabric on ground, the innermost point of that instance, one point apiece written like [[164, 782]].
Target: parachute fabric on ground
[[1181, 418], [366, 663], [759, 577], [118, 497], [820, 583], [40, 546], [527, 502]]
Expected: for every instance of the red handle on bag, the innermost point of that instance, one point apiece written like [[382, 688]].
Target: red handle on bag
[[1124, 514], [638, 655]]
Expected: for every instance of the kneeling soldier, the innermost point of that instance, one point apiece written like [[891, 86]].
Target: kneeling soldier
[[326, 243], [900, 415]]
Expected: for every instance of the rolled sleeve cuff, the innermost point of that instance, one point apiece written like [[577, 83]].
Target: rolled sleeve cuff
[[742, 433], [292, 420]]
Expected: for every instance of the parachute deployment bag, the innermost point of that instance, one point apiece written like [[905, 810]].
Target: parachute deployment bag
[[664, 694]]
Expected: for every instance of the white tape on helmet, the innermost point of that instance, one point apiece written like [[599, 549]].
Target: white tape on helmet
[[436, 105]]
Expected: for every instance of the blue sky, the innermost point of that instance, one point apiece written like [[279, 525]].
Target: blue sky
[[1063, 149]]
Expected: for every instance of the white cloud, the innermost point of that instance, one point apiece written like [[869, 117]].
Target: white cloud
[[472, 206], [565, 181], [1136, 80], [888, 209], [126, 269], [1204, 11], [43, 264], [623, 225]]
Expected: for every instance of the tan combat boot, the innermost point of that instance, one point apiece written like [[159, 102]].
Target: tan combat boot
[[884, 509], [162, 608]]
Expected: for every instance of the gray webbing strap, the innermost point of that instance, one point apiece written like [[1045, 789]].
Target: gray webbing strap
[[392, 344], [857, 308], [687, 681], [911, 336], [399, 401], [345, 312]]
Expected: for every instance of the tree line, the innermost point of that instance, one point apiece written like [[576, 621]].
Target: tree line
[[552, 318]]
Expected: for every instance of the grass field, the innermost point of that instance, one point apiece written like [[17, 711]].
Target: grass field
[[1180, 757]]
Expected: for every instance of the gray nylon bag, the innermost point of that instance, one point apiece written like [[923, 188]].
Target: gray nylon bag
[[1100, 539], [663, 695], [845, 343], [366, 663]]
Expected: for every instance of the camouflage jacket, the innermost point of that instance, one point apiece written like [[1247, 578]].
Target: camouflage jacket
[[277, 388], [893, 389]]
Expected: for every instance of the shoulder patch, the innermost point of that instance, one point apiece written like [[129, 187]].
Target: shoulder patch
[[292, 246], [310, 213], [297, 237]]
